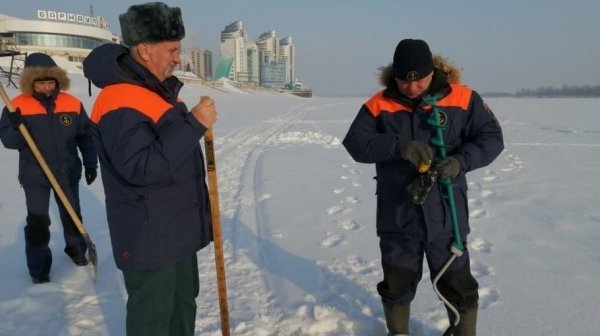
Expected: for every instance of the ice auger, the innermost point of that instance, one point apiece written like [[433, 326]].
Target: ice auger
[[457, 247]]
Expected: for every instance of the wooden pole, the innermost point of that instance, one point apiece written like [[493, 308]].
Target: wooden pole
[[213, 191]]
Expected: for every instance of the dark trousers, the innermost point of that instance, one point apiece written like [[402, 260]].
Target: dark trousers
[[402, 262], [162, 301], [37, 229]]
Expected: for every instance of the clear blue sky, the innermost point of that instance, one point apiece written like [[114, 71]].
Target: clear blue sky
[[501, 45]]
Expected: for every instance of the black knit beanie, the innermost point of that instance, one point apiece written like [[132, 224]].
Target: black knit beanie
[[412, 60], [151, 22]]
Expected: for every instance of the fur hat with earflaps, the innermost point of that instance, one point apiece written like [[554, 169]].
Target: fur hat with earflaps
[[151, 22], [40, 66]]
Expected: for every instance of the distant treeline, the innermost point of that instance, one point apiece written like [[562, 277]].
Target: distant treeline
[[547, 91]]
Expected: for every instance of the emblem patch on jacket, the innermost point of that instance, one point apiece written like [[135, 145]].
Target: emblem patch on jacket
[[66, 120]]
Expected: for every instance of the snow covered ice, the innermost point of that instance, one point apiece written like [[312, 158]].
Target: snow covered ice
[[298, 215]]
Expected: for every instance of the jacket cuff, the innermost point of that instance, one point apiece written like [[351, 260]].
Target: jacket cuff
[[463, 163], [196, 125]]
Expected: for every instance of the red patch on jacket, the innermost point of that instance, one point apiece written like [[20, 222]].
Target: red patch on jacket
[[125, 255]]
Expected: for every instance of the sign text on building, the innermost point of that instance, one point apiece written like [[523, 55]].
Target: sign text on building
[[99, 21]]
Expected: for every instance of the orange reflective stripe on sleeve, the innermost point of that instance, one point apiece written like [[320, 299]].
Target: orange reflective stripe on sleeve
[[117, 96], [378, 103]]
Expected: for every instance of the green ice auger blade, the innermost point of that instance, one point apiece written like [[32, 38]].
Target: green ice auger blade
[[438, 141]]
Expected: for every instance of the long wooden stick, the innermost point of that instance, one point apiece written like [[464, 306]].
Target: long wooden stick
[[92, 256], [213, 191]]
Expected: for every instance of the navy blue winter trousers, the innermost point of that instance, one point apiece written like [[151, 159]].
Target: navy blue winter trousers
[[37, 229], [402, 262]]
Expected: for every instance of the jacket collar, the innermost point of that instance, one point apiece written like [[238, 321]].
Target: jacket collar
[[439, 85]]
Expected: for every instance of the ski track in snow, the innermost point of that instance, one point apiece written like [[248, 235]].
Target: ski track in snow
[[249, 258], [239, 156]]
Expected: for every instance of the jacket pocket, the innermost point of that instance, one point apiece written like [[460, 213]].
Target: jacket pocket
[[397, 214], [439, 212]]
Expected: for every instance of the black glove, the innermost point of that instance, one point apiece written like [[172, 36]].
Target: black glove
[[417, 153], [448, 167], [90, 175], [16, 118]]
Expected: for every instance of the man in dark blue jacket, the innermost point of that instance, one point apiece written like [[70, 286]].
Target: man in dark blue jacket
[[152, 169], [392, 131], [59, 126]]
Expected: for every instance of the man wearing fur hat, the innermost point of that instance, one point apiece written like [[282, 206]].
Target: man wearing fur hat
[[59, 125], [152, 168], [392, 131]]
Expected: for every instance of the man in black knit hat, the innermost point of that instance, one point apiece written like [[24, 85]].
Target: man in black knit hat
[[152, 169], [392, 131]]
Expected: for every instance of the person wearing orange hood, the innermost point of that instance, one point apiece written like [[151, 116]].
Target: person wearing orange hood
[[59, 125]]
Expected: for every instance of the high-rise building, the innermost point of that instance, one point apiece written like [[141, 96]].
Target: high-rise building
[[287, 55], [252, 64], [232, 58], [268, 47], [200, 61], [275, 60], [267, 62]]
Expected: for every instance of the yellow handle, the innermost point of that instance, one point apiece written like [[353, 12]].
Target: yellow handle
[[424, 166]]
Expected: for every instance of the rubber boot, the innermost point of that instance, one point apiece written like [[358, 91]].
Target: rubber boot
[[467, 325], [75, 248], [396, 319]]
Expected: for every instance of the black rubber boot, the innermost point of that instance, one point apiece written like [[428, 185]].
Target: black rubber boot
[[396, 318], [467, 325], [76, 256], [42, 279]]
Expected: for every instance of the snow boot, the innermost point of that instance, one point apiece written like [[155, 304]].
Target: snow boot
[[42, 279], [76, 248], [396, 318], [468, 322]]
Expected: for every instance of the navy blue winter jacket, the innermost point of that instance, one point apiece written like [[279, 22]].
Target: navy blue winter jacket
[[59, 126], [388, 120], [151, 162]]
